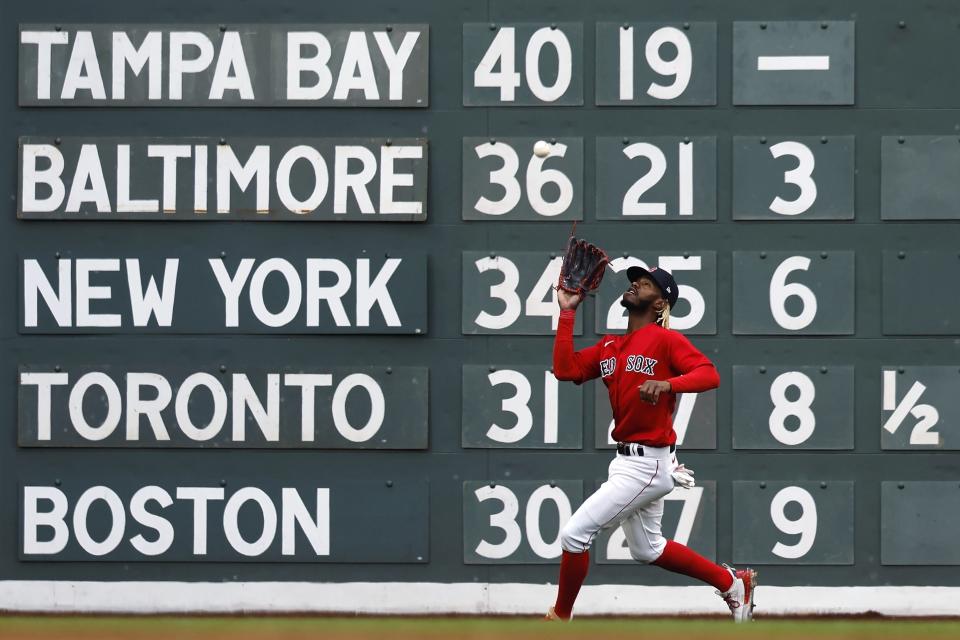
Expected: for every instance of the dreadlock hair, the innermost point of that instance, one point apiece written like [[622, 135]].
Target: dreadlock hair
[[664, 317]]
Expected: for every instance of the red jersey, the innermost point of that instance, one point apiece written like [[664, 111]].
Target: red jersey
[[626, 362]]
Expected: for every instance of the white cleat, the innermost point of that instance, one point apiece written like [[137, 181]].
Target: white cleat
[[552, 615], [739, 598]]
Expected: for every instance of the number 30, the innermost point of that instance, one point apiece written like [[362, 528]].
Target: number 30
[[506, 521]]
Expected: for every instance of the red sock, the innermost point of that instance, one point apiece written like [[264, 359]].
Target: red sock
[[681, 559], [573, 571]]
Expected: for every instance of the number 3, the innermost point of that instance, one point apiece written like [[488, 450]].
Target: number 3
[[802, 176]]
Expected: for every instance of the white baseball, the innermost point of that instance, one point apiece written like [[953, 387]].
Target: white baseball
[[541, 149]]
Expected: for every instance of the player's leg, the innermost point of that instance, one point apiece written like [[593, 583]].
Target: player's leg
[[647, 545], [628, 484]]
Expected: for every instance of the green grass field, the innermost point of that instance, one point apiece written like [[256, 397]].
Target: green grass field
[[240, 628]]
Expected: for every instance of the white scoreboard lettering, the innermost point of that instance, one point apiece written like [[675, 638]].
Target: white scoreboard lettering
[[235, 65], [209, 178], [47, 529], [306, 295], [163, 406]]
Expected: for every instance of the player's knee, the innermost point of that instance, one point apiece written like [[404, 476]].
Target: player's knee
[[573, 538], [648, 550]]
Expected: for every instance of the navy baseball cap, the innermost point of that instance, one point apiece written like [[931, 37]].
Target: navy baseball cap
[[664, 280]]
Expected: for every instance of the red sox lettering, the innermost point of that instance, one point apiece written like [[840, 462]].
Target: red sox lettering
[[636, 364], [641, 364], [608, 367]]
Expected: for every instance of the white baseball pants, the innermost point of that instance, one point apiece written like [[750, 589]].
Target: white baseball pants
[[632, 497]]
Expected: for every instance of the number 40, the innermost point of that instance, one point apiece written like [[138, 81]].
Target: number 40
[[501, 51]]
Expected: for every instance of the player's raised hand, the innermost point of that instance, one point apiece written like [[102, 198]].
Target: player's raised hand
[[568, 300], [651, 389]]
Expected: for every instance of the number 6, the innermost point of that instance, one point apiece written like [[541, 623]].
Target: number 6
[[780, 290]]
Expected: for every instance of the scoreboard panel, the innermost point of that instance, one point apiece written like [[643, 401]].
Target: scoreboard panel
[[803, 178], [793, 407], [689, 518], [793, 62], [793, 522], [934, 503], [527, 410], [377, 395], [643, 178], [779, 292], [523, 65], [646, 74], [696, 275], [919, 177], [519, 184]]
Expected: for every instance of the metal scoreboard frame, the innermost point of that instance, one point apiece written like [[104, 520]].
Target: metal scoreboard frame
[[304, 404]]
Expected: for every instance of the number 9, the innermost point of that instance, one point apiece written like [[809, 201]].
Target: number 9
[[805, 526], [680, 66]]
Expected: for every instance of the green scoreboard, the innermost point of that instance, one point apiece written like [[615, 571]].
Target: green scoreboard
[[281, 313]]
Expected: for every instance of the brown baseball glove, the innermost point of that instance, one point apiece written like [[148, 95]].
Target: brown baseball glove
[[583, 267]]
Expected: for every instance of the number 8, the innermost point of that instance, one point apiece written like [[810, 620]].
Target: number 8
[[799, 408]]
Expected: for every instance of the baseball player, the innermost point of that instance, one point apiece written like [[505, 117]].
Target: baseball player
[[643, 370]]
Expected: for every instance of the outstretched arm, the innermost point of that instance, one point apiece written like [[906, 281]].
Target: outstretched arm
[[568, 364]]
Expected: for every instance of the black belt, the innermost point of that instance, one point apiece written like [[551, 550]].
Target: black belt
[[624, 448]]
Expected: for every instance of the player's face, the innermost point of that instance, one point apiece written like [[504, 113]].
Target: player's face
[[642, 291]]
